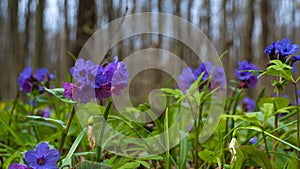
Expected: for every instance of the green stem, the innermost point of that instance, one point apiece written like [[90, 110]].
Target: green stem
[[274, 142], [99, 148], [166, 128], [227, 127], [198, 126], [265, 141], [64, 136], [298, 123], [12, 114]]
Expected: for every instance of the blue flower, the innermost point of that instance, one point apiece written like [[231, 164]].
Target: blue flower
[[42, 74], [253, 140], [285, 48], [110, 69], [43, 157], [281, 49], [218, 79], [18, 166], [68, 87], [95, 81], [119, 79], [45, 112], [186, 78], [78, 71], [249, 104], [103, 91], [271, 50], [247, 78], [24, 80]]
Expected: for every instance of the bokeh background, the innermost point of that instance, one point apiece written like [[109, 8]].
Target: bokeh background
[[39, 33]]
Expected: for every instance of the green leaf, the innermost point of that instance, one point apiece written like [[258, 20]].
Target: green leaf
[[174, 92], [261, 94], [258, 156], [183, 153], [60, 124], [130, 165], [240, 158], [10, 159], [59, 93], [144, 163], [207, 156], [67, 160], [91, 165], [266, 133], [250, 117], [6, 126], [279, 69]]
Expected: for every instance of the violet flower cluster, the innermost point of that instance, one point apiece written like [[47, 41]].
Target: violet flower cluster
[[41, 158], [188, 76], [29, 81], [284, 51], [248, 79], [249, 104], [95, 81]]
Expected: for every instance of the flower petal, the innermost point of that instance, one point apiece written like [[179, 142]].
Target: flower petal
[[31, 157], [52, 157], [42, 149]]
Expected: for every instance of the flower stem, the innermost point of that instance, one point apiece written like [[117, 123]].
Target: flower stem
[[105, 116], [61, 146], [197, 147], [12, 114], [227, 126], [265, 141], [298, 122], [274, 142]]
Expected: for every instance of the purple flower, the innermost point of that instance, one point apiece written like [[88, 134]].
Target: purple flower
[[218, 79], [110, 69], [119, 79], [24, 80], [186, 78], [95, 81], [249, 103], [285, 48], [104, 91], [83, 93], [79, 71], [45, 112], [18, 166], [205, 68], [68, 89], [43, 157], [42, 74], [271, 50], [28, 81], [100, 76], [281, 49], [247, 78], [253, 140]]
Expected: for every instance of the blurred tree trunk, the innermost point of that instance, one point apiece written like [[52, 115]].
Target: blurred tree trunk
[[247, 47], [86, 23], [10, 75], [39, 35], [65, 60], [223, 30], [27, 30]]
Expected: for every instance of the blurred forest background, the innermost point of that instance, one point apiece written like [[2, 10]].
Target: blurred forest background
[[40, 32]]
